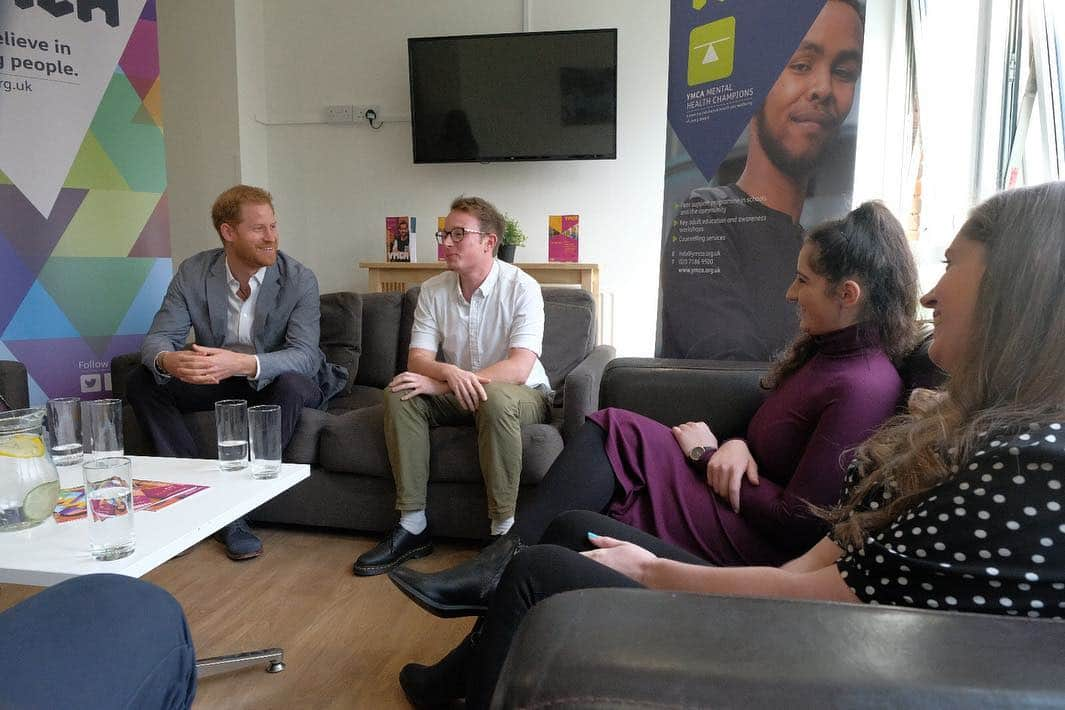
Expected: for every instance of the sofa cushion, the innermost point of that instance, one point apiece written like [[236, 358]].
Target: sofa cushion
[[380, 333], [360, 396], [454, 448], [568, 338], [406, 323], [354, 441], [341, 332]]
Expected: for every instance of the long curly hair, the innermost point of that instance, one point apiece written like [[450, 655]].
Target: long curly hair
[[869, 246], [1013, 372]]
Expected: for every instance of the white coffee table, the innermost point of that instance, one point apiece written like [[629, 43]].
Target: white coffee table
[[51, 552]]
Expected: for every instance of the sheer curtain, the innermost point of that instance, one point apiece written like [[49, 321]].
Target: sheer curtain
[[1037, 152], [964, 99]]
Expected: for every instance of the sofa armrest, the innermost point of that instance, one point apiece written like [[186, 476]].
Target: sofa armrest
[[582, 389], [121, 366], [605, 648], [14, 384], [722, 393]]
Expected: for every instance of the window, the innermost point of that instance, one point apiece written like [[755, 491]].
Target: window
[[971, 103]]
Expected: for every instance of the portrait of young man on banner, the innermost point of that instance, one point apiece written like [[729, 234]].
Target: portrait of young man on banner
[[735, 209]]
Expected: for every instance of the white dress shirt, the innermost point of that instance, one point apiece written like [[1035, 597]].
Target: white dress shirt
[[240, 315], [506, 311]]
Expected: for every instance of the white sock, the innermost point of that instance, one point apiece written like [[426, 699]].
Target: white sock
[[500, 527], [413, 521]]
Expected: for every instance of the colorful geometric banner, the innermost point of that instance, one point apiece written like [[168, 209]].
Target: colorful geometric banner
[[85, 260]]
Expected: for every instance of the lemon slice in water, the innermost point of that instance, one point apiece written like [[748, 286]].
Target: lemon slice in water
[[22, 446], [40, 502]]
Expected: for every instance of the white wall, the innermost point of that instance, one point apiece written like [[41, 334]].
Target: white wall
[[334, 185], [198, 69]]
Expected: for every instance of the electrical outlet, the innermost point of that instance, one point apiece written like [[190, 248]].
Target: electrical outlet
[[344, 113], [360, 112]]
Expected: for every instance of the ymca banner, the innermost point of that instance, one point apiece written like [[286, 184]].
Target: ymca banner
[[84, 229], [760, 145]]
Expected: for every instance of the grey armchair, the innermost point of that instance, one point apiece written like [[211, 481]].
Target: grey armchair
[[14, 384], [611, 648]]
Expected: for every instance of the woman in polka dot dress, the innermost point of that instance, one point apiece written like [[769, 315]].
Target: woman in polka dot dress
[[956, 506]]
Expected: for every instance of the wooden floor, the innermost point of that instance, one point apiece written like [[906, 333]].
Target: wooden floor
[[345, 637]]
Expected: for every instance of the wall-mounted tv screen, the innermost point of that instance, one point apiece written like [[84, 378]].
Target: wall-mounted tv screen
[[522, 96]]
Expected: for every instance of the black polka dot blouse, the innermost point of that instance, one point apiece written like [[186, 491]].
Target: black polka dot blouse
[[991, 539]]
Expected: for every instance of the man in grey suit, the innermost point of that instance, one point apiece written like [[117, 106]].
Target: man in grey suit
[[255, 315]]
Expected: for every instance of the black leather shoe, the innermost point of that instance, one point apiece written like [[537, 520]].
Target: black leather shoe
[[400, 546], [463, 590], [439, 685]]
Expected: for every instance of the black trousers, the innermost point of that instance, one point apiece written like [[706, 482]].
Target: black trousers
[[581, 478], [541, 571], [159, 408]]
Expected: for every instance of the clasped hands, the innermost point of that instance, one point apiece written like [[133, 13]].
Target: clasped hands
[[727, 467], [468, 387], [201, 365]]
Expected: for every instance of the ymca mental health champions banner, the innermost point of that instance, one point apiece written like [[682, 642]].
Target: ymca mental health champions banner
[[84, 230], [760, 144]]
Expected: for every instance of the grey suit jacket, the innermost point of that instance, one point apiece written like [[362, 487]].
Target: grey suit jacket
[[286, 319]]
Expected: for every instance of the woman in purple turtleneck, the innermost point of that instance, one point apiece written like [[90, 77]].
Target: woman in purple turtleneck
[[744, 501]]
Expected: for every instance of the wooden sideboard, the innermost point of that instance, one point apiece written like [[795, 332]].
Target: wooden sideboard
[[397, 276]]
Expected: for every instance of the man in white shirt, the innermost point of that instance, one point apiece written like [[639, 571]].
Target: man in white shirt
[[255, 314], [487, 319]]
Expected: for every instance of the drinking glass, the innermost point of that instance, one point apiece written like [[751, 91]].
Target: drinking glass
[[264, 436], [231, 421], [101, 427], [109, 503], [64, 425]]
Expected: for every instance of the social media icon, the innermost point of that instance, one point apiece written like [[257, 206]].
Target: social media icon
[[90, 383], [711, 51], [107, 381]]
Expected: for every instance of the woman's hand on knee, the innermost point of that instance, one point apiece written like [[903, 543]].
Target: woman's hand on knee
[[624, 557], [692, 434], [726, 469]]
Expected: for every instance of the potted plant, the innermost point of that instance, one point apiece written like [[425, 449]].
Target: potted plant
[[512, 238]]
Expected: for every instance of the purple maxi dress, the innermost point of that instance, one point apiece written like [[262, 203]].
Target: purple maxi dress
[[797, 437]]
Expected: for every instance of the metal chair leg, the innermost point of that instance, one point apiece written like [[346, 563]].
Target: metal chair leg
[[274, 658]]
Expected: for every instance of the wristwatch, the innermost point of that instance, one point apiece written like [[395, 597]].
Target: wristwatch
[[697, 453]]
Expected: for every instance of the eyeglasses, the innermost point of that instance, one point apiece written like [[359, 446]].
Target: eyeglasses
[[457, 234]]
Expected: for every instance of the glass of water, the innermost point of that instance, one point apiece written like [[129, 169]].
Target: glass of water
[[64, 426], [231, 421], [264, 429], [101, 427], [109, 502]]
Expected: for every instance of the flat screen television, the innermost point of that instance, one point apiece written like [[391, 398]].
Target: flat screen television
[[519, 96]]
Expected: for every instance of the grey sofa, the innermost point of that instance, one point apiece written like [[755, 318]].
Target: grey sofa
[[639, 648], [351, 481]]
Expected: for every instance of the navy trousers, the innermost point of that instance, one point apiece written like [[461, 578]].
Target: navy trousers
[[159, 407], [98, 641]]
